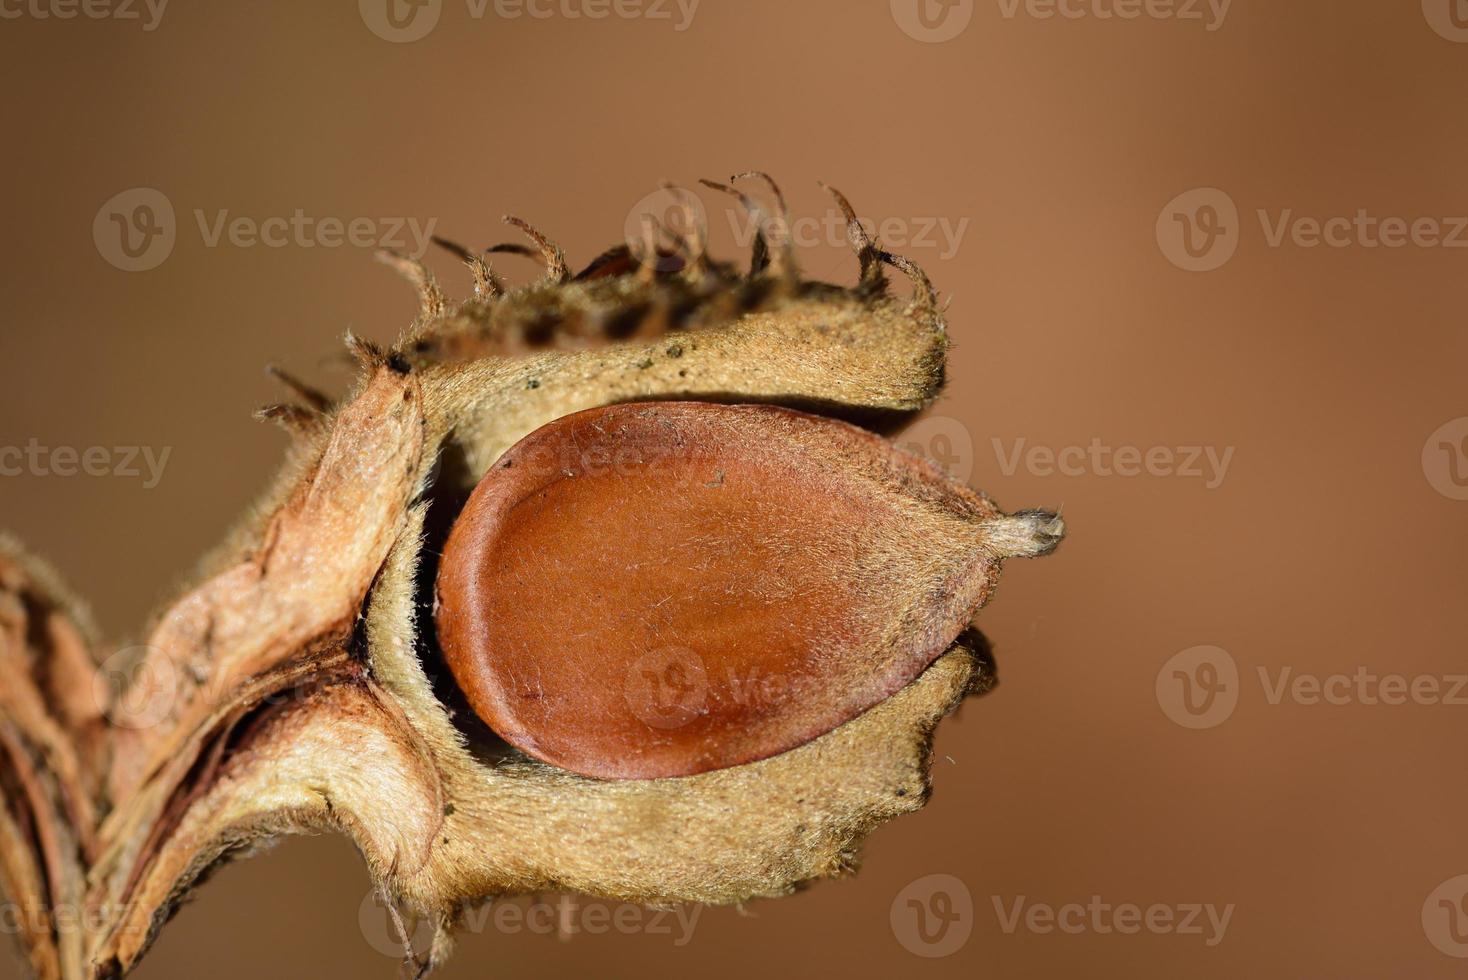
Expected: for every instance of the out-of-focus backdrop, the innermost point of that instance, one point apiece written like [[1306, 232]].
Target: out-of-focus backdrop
[[1206, 262]]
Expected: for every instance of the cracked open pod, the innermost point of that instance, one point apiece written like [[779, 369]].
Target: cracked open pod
[[602, 583]]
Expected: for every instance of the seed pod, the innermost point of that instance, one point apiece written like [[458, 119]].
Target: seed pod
[[654, 589], [663, 589]]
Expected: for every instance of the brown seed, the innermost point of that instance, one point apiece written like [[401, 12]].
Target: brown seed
[[662, 589]]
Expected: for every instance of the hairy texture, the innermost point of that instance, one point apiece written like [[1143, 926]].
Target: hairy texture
[[296, 684]]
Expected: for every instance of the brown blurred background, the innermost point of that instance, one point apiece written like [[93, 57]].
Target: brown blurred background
[[1068, 157]]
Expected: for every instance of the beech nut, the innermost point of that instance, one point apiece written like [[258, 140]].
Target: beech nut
[[662, 589]]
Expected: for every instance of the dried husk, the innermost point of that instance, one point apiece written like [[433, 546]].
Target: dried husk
[[300, 689]]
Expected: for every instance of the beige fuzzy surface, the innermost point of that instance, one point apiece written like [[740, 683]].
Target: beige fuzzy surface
[[306, 694]]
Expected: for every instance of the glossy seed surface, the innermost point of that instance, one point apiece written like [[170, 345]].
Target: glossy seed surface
[[661, 589]]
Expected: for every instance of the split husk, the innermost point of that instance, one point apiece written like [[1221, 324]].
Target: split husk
[[296, 685]]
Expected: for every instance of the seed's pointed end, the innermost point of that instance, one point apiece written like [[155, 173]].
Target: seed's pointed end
[[1026, 534]]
